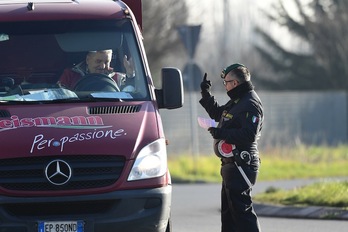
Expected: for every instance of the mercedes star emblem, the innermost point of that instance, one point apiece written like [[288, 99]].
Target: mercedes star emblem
[[58, 172]]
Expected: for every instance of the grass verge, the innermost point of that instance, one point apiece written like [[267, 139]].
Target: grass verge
[[325, 193], [280, 163]]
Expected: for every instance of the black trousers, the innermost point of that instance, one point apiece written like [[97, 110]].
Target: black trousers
[[237, 212]]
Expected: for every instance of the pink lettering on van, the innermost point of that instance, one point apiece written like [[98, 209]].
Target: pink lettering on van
[[62, 122]]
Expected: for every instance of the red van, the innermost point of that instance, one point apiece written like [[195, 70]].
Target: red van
[[90, 156]]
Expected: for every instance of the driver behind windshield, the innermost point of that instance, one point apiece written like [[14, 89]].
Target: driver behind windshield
[[96, 62]]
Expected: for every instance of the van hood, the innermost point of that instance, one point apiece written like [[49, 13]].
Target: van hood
[[74, 129]]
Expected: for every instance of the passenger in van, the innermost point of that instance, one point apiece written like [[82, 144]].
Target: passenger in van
[[96, 62]]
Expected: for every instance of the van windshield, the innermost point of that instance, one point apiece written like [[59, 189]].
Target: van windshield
[[70, 60]]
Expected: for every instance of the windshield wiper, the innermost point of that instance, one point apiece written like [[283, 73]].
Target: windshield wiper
[[90, 98]]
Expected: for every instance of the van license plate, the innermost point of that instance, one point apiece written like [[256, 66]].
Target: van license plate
[[61, 226]]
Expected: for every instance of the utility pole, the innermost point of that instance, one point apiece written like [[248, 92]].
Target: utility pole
[[190, 37], [226, 29]]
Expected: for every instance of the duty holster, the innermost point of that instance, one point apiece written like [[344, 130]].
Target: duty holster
[[241, 158]]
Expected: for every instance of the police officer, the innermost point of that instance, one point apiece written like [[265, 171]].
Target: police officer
[[235, 142]]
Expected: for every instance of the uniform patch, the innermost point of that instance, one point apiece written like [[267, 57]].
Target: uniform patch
[[227, 116], [255, 119]]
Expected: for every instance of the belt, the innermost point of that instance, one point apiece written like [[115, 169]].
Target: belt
[[228, 160]]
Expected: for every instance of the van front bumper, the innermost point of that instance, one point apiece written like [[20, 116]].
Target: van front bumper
[[144, 210]]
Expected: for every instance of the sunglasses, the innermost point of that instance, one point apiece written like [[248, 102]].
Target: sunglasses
[[225, 82]]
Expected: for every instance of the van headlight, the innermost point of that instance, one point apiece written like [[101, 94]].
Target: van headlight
[[151, 161]]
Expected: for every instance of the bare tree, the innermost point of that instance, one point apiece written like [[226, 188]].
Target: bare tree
[[321, 24], [160, 21]]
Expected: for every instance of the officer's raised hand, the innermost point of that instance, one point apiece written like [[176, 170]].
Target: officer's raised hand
[[205, 87]]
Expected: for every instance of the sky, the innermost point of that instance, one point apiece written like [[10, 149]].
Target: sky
[[207, 7], [238, 30], [241, 12]]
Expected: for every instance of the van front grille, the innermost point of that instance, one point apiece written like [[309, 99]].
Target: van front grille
[[87, 172]]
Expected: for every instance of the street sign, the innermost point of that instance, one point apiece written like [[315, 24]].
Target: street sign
[[192, 76], [189, 36]]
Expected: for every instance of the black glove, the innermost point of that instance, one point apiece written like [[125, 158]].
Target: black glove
[[215, 132], [205, 87]]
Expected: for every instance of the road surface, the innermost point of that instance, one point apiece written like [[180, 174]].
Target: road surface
[[195, 207]]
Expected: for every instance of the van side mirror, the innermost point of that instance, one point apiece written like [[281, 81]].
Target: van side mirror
[[171, 96]]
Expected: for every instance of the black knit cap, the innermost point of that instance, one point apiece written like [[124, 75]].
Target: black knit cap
[[230, 68]]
